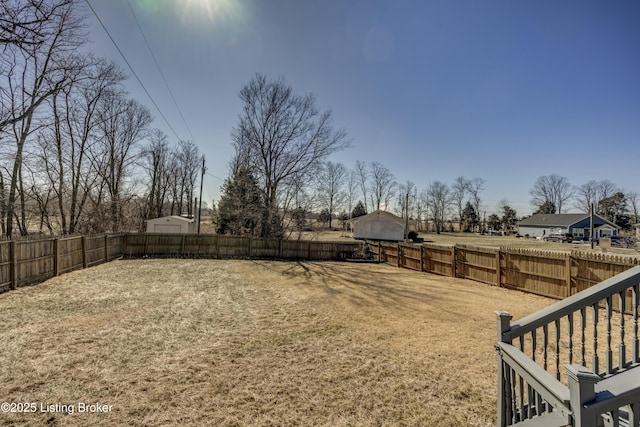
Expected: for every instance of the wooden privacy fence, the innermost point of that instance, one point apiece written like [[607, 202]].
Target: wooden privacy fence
[[547, 273], [220, 246], [29, 262]]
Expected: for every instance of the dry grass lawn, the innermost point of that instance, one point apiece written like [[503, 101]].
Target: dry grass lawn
[[259, 343]]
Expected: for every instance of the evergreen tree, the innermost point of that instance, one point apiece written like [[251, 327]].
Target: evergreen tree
[[470, 218], [358, 210], [240, 209], [324, 216], [548, 207], [494, 222], [509, 217]]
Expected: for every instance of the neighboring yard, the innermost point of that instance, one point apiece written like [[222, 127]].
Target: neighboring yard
[[473, 239], [223, 342]]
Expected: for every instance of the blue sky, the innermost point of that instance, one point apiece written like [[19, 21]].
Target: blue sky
[[502, 90]]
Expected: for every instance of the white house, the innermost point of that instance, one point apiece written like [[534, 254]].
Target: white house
[[171, 225], [378, 225]]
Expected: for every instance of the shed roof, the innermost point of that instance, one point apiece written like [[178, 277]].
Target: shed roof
[[378, 215], [176, 217]]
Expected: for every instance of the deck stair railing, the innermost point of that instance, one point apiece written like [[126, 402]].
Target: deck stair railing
[[576, 362]]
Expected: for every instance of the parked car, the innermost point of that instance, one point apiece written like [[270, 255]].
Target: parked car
[[559, 238]]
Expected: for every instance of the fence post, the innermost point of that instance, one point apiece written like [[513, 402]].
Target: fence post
[[379, 252], [504, 324], [280, 248], [182, 245], [14, 264], [106, 248], [568, 274], [56, 257], [399, 255], [421, 258], [498, 269], [454, 256], [250, 245], [582, 390], [146, 243], [83, 246]]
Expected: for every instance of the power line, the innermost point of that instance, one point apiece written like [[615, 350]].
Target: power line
[[213, 176], [131, 68], [135, 17]]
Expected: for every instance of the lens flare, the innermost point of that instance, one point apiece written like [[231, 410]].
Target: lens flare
[[190, 11]]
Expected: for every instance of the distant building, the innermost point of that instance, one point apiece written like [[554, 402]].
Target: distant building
[[171, 225], [378, 225], [578, 225]]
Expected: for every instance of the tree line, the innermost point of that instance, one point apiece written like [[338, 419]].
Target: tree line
[[554, 193], [281, 180], [280, 175], [78, 154]]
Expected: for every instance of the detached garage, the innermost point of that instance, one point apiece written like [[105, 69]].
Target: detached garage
[[171, 225], [378, 225]]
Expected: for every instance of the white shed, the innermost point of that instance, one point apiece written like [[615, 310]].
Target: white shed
[[378, 225], [171, 225]]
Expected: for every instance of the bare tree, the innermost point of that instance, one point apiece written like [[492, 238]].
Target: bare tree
[[30, 73], [27, 23], [404, 190], [188, 165], [552, 188], [37, 39], [157, 166], [586, 195], [330, 186], [382, 185], [363, 180], [352, 189], [459, 192], [592, 192], [476, 186], [64, 144], [123, 124], [282, 134], [438, 197], [633, 199]]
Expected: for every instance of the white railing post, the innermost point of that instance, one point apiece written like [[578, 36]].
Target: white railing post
[[504, 324], [582, 390]]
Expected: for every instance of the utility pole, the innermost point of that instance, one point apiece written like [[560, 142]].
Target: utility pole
[[591, 228], [406, 217], [200, 204]]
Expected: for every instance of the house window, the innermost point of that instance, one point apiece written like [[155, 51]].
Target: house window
[[578, 232], [605, 232]]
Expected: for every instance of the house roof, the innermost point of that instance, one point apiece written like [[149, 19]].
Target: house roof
[[559, 220], [378, 215]]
